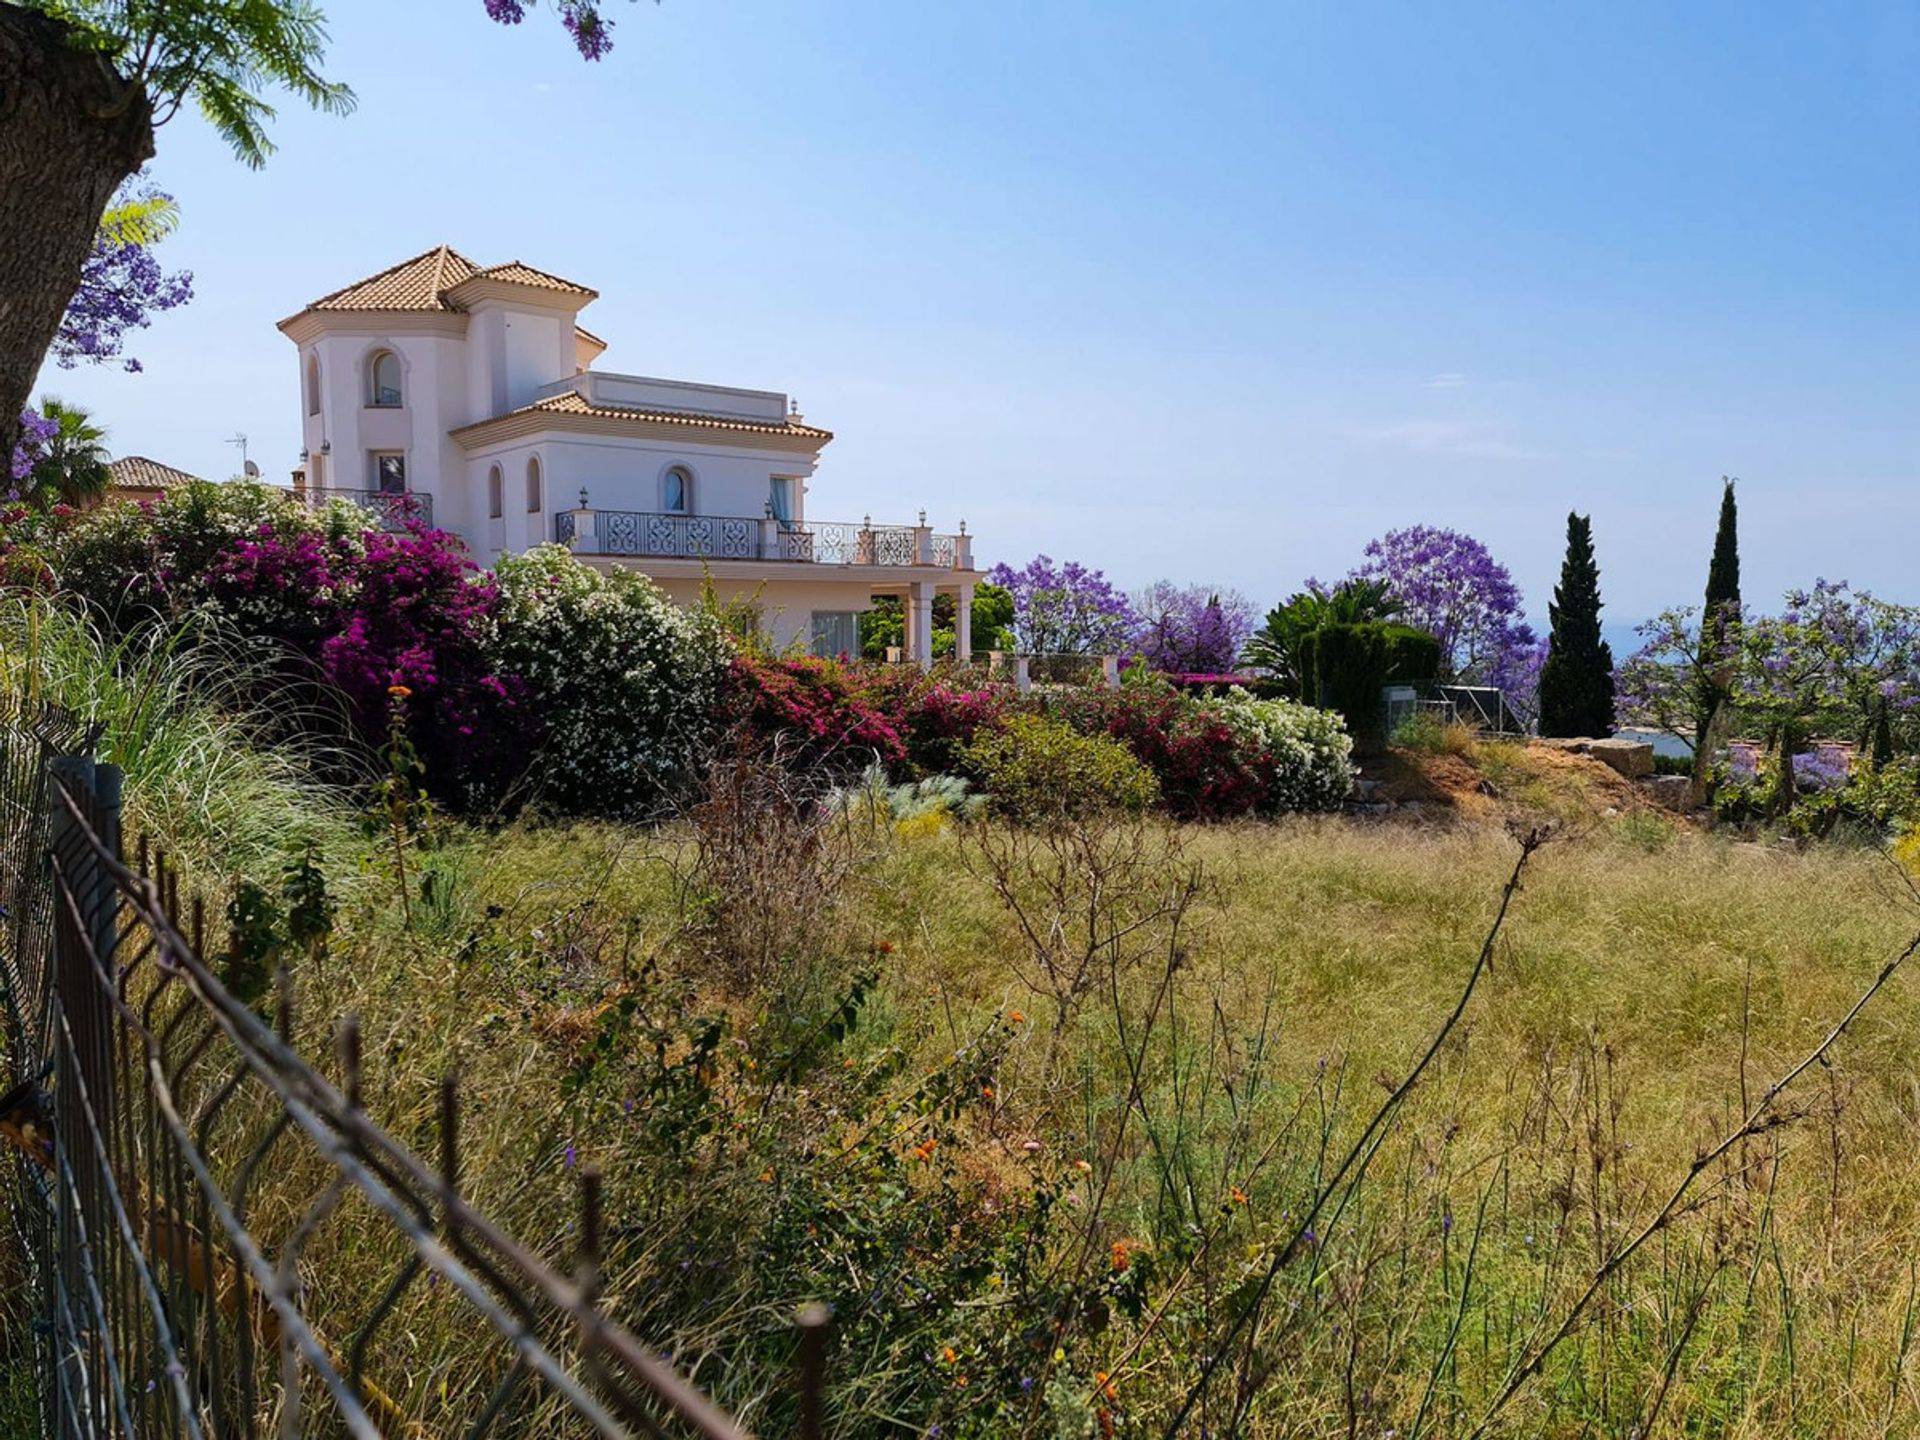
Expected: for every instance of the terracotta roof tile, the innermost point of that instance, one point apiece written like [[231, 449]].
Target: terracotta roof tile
[[517, 273], [415, 284], [137, 472], [571, 402]]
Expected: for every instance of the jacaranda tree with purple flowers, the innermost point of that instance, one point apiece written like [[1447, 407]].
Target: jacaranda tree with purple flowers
[[1066, 609], [1835, 661], [1448, 584], [584, 20], [122, 284], [1192, 629], [122, 287]]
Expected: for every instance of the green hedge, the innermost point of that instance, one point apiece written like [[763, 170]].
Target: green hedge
[[1352, 663]]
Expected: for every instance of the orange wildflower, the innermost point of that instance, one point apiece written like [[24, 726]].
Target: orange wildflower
[[1122, 1256], [1239, 1195], [399, 692], [1017, 1017]]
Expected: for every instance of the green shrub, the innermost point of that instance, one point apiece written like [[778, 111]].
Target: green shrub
[[1412, 654], [1425, 733], [1038, 769]]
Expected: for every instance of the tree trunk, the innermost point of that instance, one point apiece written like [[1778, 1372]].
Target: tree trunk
[[71, 130]]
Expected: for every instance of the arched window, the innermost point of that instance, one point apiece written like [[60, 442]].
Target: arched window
[[313, 384], [496, 494], [676, 492], [533, 485], [384, 380]]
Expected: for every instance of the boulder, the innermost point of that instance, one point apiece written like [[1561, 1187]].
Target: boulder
[[1674, 792], [1632, 758]]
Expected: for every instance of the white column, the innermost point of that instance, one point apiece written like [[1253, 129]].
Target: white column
[[920, 623], [963, 628]]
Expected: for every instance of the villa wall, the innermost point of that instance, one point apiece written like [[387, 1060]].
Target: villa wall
[[618, 474], [788, 605]]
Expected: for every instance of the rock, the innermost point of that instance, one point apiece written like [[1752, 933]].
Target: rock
[[1571, 747], [1632, 758], [1674, 792]]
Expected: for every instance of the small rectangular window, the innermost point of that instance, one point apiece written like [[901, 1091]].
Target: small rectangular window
[[836, 633], [390, 472]]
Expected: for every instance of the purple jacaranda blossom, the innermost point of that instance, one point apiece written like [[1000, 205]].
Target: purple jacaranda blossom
[[1192, 629], [35, 431], [122, 287], [1825, 768], [1449, 584], [583, 20], [1065, 609]]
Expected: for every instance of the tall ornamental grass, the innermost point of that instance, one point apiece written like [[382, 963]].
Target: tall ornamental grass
[[185, 718]]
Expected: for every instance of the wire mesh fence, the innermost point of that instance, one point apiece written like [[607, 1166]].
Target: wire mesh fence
[[183, 1171]]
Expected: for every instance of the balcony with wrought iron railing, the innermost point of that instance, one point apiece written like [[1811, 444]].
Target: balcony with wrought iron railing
[[396, 510], [647, 535]]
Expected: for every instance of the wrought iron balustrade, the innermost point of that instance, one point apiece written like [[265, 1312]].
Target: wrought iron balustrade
[[645, 534], [396, 509], [688, 537]]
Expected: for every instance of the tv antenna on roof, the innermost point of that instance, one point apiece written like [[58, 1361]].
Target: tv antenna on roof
[[240, 439]]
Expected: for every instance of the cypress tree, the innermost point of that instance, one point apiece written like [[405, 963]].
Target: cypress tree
[[1718, 622], [1723, 572], [1576, 683]]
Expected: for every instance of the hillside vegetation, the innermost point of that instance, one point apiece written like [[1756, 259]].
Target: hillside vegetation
[[835, 1063]]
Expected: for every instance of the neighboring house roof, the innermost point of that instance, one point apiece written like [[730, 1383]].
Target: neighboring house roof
[[137, 472], [571, 404]]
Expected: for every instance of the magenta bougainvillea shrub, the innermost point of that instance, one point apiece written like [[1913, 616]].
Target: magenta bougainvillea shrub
[[811, 712], [914, 724], [946, 716], [384, 615], [320, 594]]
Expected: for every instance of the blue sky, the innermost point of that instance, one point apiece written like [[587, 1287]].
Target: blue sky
[[1213, 292]]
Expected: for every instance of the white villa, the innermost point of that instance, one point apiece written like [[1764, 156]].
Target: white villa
[[466, 395]]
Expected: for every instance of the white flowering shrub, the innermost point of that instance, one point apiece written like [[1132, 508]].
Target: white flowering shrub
[[1311, 750], [623, 680]]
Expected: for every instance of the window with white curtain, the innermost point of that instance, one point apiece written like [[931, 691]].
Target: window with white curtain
[[836, 633]]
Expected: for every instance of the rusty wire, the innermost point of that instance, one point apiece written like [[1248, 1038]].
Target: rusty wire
[[152, 1104]]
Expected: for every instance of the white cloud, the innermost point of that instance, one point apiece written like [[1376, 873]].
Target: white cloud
[[1445, 380], [1463, 438]]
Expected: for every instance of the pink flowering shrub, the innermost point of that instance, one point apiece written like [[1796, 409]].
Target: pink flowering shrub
[[381, 613], [813, 711]]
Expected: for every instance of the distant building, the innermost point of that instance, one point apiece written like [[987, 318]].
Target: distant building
[[465, 395], [135, 477]]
